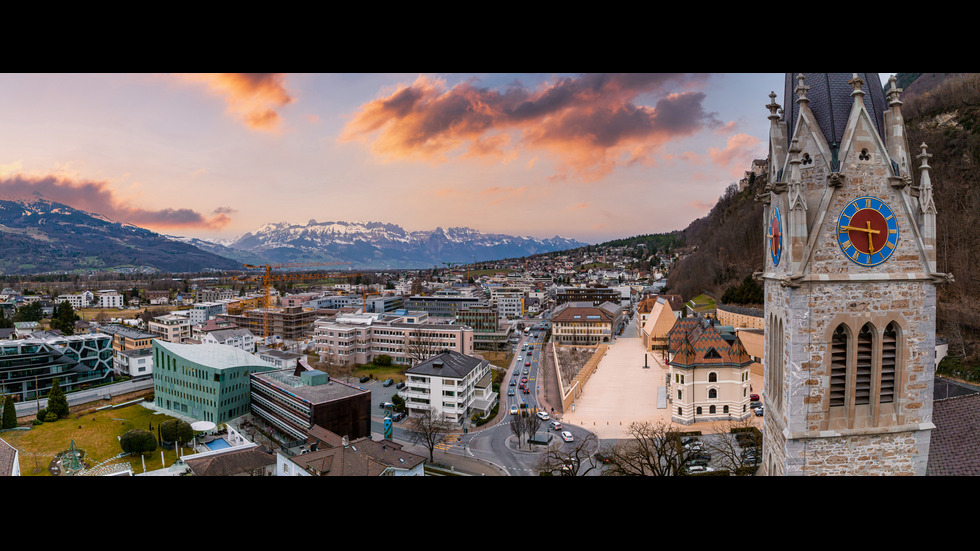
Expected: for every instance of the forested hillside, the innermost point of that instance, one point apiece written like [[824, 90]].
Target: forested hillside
[[723, 247], [947, 120]]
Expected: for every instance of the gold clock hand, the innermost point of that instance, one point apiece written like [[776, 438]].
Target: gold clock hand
[[871, 244], [869, 230]]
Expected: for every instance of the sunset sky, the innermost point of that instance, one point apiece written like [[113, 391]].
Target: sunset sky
[[588, 156]]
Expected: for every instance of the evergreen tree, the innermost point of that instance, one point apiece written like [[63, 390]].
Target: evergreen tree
[[64, 318], [57, 403], [5, 322], [9, 413]]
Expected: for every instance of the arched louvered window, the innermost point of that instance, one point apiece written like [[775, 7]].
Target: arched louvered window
[[838, 366], [712, 393], [712, 377], [863, 366], [889, 361]]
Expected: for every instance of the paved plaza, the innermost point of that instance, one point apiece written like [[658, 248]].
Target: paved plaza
[[622, 391]]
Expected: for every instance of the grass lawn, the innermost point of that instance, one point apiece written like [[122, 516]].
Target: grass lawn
[[89, 314], [393, 372], [703, 302], [94, 433]]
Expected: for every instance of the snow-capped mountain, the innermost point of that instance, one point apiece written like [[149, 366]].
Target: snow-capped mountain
[[378, 245], [38, 235]]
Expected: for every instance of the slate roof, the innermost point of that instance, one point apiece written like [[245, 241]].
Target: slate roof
[[7, 456], [830, 100], [954, 445], [361, 457], [232, 462], [454, 365]]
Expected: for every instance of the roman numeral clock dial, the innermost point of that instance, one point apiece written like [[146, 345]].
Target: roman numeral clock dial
[[867, 231]]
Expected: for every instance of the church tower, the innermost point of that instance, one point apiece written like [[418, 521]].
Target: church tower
[[850, 283]]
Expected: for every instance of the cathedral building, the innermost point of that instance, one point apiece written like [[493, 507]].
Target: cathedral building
[[850, 282]]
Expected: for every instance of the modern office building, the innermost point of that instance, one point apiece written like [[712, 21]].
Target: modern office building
[[292, 401], [208, 382], [28, 366], [403, 335], [595, 295], [203, 311], [444, 306]]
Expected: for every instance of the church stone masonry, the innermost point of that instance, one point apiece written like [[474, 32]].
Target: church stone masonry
[[850, 283]]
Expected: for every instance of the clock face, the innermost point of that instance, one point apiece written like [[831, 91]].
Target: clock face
[[867, 231], [775, 237]]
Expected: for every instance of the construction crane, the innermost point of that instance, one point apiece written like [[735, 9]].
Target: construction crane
[[364, 295], [268, 277]]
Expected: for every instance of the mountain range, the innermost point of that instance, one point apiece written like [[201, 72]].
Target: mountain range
[[41, 236]]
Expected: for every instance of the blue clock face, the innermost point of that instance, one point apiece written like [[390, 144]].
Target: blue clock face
[[775, 237], [867, 231]]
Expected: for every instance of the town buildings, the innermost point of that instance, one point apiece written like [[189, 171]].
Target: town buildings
[[171, 327], [581, 323], [328, 454], [450, 385], [404, 335]]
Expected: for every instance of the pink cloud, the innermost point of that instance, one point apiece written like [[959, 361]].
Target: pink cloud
[[737, 154], [588, 123], [254, 98], [98, 198]]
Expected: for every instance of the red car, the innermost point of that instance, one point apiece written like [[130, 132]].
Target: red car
[[753, 397], [526, 364], [526, 391]]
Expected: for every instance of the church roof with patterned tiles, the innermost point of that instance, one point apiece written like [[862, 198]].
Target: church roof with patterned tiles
[[695, 346]]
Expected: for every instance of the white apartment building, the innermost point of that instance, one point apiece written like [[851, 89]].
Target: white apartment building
[[238, 337], [133, 363], [81, 300], [110, 299], [171, 327], [451, 385], [404, 336], [203, 311]]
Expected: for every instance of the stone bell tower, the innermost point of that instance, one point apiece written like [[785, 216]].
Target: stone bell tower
[[850, 283]]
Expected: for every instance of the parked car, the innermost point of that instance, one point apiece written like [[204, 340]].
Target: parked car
[[759, 411], [567, 436], [754, 397], [365, 379], [387, 405], [400, 386], [389, 382], [694, 446], [688, 439], [753, 405], [543, 415]]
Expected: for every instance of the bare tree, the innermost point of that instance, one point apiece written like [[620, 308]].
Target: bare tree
[[652, 449], [580, 460], [518, 427], [330, 363], [736, 447], [428, 429], [420, 346]]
